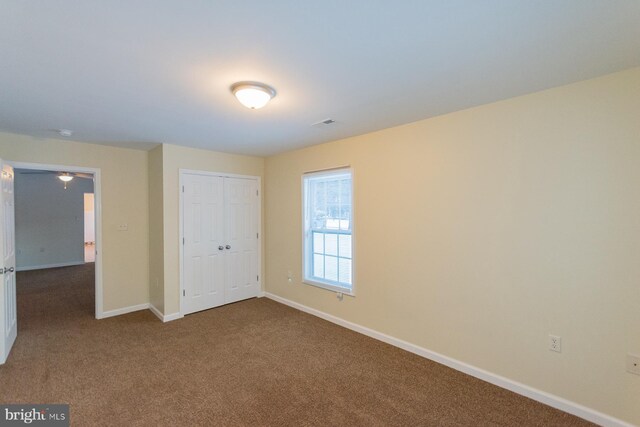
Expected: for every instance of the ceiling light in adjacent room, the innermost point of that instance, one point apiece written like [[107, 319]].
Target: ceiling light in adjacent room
[[65, 177], [253, 95]]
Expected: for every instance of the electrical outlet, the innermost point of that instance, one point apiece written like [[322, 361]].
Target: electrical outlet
[[555, 343], [633, 364], [123, 227]]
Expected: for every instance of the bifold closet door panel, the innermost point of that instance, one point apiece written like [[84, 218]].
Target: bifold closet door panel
[[241, 217], [204, 253]]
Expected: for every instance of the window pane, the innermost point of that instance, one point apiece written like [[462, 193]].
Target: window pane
[[345, 245], [331, 268], [318, 266], [344, 270], [318, 243], [318, 204], [332, 224], [345, 190], [333, 192], [331, 244]]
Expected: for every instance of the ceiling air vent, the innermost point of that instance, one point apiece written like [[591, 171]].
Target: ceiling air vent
[[323, 123]]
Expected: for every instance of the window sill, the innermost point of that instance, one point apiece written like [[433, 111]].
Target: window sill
[[328, 287]]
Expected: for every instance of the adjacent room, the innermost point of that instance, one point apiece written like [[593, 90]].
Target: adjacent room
[[337, 213], [54, 245], [54, 223]]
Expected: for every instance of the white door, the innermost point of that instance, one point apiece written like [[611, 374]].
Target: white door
[[8, 317], [241, 205], [203, 231], [220, 249]]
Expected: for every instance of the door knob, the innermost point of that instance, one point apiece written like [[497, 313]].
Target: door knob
[[220, 247], [228, 246]]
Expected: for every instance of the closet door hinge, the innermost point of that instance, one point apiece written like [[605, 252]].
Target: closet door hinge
[[183, 240], [184, 293], [183, 188], [257, 235], [257, 278], [256, 192]]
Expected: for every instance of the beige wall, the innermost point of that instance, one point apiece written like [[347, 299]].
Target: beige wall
[[156, 229], [481, 232], [174, 159], [124, 200]]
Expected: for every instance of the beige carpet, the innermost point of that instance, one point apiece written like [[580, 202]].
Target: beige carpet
[[255, 363]]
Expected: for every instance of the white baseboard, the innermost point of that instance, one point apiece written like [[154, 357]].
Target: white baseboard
[[172, 316], [124, 310], [164, 318], [500, 381], [157, 312], [42, 267]]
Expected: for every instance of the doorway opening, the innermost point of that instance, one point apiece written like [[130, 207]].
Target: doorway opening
[[58, 238]]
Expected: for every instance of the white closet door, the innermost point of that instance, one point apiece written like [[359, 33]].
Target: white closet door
[[241, 205], [204, 253]]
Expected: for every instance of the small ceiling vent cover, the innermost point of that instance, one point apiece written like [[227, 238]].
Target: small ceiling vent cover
[[323, 123]]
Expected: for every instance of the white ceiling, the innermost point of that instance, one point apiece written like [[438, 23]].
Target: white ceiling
[[136, 73]]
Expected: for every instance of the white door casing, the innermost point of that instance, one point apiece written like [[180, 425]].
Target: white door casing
[[220, 247], [8, 317]]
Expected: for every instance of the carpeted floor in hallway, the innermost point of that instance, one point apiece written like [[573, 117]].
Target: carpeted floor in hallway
[[255, 362]]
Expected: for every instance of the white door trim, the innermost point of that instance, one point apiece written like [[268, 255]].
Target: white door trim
[[181, 173], [97, 190]]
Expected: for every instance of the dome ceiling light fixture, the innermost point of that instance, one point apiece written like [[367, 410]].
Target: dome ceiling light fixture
[[253, 95]]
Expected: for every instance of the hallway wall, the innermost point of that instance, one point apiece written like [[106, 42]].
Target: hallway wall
[[49, 220]]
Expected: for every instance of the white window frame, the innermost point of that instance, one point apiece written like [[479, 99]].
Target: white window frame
[[306, 250]]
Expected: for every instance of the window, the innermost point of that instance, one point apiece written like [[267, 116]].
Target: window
[[328, 227]]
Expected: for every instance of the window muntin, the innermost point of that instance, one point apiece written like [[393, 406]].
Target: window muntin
[[328, 233]]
